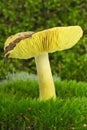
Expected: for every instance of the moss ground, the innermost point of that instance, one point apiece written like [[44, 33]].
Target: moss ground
[[20, 107]]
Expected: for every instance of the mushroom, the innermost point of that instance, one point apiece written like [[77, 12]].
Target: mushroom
[[25, 45]]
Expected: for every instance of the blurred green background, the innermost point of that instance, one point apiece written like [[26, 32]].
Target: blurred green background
[[19, 15]]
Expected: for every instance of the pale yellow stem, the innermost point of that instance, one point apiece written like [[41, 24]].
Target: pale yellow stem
[[46, 84]]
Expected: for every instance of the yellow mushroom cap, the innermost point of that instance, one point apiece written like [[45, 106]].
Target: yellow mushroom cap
[[25, 45]]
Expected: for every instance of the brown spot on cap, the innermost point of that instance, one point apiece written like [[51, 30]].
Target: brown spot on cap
[[15, 42]]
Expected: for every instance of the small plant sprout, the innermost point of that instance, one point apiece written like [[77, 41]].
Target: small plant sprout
[[26, 45]]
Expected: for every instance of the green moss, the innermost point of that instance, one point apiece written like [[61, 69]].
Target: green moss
[[20, 107]]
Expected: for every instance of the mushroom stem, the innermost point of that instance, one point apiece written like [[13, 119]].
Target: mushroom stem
[[46, 84]]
